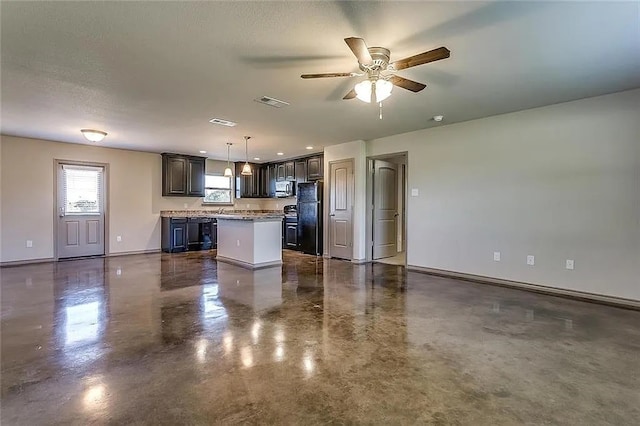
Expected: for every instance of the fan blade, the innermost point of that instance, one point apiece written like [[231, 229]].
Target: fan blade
[[328, 74], [405, 83], [359, 48], [350, 95], [422, 58]]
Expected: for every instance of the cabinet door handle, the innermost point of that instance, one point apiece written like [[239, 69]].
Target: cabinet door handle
[[332, 214]]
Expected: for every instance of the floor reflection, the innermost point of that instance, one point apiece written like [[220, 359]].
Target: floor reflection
[[315, 341]]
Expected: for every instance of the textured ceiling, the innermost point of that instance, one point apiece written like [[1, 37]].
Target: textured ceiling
[[152, 74]]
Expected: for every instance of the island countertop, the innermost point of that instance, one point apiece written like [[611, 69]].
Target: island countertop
[[254, 215]]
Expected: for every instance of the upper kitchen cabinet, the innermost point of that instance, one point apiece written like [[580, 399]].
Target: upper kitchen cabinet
[[280, 172], [315, 168], [182, 175], [300, 167], [289, 171]]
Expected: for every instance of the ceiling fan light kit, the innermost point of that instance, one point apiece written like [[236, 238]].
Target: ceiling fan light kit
[[381, 77]]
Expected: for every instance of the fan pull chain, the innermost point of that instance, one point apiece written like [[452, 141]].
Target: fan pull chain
[[380, 116]]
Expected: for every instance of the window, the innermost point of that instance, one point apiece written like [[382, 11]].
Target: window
[[217, 189], [82, 187]]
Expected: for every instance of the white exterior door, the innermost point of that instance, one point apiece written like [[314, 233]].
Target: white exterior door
[[80, 211]]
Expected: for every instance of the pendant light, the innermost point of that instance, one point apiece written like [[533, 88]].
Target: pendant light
[[228, 172], [246, 169]]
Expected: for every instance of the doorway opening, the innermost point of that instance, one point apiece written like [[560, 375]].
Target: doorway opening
[[387, 212], [80, 209]]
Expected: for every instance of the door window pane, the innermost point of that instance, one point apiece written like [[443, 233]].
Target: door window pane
[[82, 190]]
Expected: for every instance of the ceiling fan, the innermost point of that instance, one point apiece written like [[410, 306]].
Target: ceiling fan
[[374, 64]]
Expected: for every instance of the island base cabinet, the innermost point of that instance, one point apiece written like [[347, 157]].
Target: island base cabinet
[[193, 234]]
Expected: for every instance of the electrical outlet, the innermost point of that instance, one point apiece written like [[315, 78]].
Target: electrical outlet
[[496, 256], [119, 271], [531, 260], [415, 192], [119, 238], [569, 264], [29, 243]]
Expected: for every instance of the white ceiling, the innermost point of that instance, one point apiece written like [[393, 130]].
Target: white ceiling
[[152, 74]]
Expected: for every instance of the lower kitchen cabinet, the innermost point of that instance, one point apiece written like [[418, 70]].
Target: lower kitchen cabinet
[[181, 234], [290, 234]]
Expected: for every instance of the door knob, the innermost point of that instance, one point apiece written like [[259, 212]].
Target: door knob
[[396, 215], [61, 211], [332, 214]]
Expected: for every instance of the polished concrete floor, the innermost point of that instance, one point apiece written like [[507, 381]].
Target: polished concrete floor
[[180, 339], [398, 259]]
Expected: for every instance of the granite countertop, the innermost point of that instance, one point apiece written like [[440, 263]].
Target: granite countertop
[[226, 214]]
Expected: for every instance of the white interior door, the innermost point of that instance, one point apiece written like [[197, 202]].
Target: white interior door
[[385, 209], [80, 210], [340, 209]]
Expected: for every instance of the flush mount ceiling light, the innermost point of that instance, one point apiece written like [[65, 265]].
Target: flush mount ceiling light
[[246, 169], [376, 90], [280, 153], [203, 152], [438, 117], [93, 135], [256, 158], [309, 147], [228, 172]]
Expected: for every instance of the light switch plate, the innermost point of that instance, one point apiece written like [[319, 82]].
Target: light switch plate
[[531, 260], [29, 243], [415, 192], [119, 238], [569, 264], [496, 256]]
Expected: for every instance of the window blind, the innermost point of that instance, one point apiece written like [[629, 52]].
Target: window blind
[[82, 186]]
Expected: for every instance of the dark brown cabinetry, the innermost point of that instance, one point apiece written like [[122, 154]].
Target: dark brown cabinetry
[[289, 171], [315, 168], [245, 185], [290, 233], [300, 170], [182, 234], [182, 175], [262, 182]]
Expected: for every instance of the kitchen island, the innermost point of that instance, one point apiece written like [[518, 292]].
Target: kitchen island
[[249, 239]]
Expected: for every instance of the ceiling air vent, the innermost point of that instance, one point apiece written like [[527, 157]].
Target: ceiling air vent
[[272, 102], [222, 122]]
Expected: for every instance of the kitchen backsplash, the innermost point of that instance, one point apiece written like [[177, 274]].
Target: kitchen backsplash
[[171, 203]]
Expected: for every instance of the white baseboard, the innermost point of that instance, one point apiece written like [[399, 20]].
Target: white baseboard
[[26, 262], [248, 265], [129, 253], [554, 291]]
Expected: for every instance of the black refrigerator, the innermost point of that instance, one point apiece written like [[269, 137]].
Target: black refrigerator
[[310, 217]]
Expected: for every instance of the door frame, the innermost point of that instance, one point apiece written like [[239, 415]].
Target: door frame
[[327, 203], [56, 163], [402, 175]]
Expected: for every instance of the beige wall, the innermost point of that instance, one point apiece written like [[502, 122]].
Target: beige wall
[[558, 182], [357, 151], [134, 188]]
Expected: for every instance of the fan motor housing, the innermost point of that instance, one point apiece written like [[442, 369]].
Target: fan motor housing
[[380, 56]]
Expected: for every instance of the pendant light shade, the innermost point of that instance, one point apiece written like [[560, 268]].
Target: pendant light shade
[[228, 172], [246, 169], [380, 88]]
